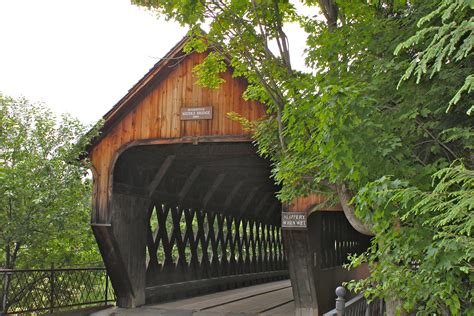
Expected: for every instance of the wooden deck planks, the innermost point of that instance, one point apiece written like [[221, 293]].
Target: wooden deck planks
[[285, 309], [258, 303], [275, 298]]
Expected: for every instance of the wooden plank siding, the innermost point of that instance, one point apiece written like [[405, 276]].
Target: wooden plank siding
[[156, 115]]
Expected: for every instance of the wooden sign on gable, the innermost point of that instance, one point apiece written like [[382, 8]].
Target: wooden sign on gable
[[198, 113]]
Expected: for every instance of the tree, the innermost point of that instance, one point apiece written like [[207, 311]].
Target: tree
[[345, 128], [44, 188], [451, 24]]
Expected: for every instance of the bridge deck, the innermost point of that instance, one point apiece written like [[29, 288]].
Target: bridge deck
[[274, 298]]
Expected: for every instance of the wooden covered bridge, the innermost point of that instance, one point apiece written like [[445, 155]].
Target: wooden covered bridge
[[183, 206]]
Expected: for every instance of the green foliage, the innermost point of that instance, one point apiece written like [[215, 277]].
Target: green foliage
[[208, 72], [429, 255], [44, 188], [448, 32]]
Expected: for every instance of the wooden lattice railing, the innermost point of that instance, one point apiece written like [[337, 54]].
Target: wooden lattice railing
[[190, 251], [338, 239]]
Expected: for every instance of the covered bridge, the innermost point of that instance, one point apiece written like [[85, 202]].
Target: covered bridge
[[183, 205]]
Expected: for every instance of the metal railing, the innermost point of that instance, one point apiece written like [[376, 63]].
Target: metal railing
[[357, 306], [48, 290]]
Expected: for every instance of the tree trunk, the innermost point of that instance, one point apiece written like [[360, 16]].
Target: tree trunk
[[391, 307], [330, 11], [345, 197]]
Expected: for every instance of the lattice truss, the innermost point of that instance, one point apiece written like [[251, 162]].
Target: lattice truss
[[338, 239], [196, 244]]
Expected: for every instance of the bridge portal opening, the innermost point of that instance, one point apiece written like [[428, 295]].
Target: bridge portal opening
[[210, 220]]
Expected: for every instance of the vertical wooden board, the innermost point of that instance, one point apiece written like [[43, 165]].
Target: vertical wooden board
[[144, 122], [211, 100], [171, 88], [228, 102], [191, 125], [115, 138], [238, 107], [167, 107], [235, 104], [126, 129], [217, 98], [133, 115], [138, 128], [177, 88], [174, 101], [218, 101], [193, 93], [151, 114], [158, 110], [185, 97], [161, 109], [203, 93], [206, 100]]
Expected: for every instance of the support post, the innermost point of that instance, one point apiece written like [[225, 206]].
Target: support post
[[301, 265], [106, 288], [51, 293], [6, 283], [129, 230]]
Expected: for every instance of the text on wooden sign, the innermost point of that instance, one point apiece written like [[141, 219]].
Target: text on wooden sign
[[197, 113], [293, 220]]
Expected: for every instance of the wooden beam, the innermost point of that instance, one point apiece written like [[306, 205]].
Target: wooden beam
[[263, 201], [164, 196], [157, 292], [124, 188], [160, 174], [189, 183], [217, 182], [233, 193], [249, 199], [273, 210]]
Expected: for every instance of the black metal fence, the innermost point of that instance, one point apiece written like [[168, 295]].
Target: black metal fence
[[357, 306], [48, 290]]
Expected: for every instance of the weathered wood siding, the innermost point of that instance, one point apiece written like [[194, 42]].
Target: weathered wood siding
[[157, 116]]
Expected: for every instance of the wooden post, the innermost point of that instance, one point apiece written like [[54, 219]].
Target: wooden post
[[51, 293], [106, 287], [6, 281], [129, 230], [301, 266]]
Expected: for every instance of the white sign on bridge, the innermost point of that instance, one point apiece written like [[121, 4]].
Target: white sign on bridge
[[293, 220]]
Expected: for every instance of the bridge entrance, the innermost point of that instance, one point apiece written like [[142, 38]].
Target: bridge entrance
[[212, 221]]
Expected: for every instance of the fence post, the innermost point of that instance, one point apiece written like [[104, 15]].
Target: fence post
[[106, 287], [6, 277], [340, 301], [51, 294]]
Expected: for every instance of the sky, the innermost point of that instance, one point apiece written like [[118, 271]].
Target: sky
[[82, 56]]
